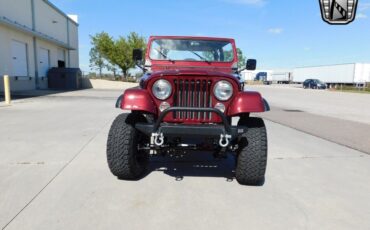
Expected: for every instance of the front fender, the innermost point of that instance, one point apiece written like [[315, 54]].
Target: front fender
[[136, 100], [248, 102]]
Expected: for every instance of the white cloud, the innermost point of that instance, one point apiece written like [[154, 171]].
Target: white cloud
[[275, 30], [307, 49], [247, 2], [361, 16]]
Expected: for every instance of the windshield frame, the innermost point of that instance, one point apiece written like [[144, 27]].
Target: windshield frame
[[230, 41]]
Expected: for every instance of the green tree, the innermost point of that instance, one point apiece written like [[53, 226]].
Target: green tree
[[118, 52], [102, 44], [112, 68], [123, 51], [96, 60], [241, 59]]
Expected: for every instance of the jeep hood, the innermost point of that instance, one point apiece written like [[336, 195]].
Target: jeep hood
[[192, 72], [187, 72], [214, 68]]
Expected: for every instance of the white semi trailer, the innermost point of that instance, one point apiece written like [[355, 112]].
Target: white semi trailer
[[247, 75], [280, 76], [356, 73], [256, 75]]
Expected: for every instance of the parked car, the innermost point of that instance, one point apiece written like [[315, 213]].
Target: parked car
[[314, 84], [186, 101]]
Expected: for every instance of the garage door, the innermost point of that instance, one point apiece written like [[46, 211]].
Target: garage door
[[19, 59], [43, 62]]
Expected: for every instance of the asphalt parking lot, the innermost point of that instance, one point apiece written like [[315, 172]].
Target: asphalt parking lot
[[54, 174]]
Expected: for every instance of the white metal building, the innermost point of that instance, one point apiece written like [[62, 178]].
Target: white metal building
[[34, 37]]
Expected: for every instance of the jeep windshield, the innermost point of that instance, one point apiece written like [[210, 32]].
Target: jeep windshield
[[191, 50]]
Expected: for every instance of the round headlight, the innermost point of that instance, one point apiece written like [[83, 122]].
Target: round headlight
[[223, 90], [162, 89]]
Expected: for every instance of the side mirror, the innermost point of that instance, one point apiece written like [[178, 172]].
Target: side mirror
[[251, 64], [137, 55]]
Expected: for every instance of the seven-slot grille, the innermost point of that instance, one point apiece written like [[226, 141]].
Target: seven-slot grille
[[193, 93]]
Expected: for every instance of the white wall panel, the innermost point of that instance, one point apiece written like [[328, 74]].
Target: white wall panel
[[73, 40], [61, 55], [17, 10], [73, 35], [50, 22]]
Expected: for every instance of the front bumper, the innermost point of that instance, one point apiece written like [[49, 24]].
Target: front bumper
[[196, 131], [223, 130]]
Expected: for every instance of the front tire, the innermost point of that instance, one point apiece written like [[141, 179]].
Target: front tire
[[252, 156], [124, 159]]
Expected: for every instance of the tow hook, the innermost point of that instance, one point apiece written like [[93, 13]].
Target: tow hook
[[158, 139], [224, 140]]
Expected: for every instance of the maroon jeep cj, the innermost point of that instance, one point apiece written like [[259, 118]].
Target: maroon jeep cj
[[187, 98]]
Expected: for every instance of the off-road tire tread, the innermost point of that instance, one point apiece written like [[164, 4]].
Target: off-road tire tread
[[252, 158], [121, 148]]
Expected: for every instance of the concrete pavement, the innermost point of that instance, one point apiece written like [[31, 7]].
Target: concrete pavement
[[54, 175], [341, 105], [352, 134], [343, 118]]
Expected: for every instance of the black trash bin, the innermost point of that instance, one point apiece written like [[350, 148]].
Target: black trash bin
[[64, 78]]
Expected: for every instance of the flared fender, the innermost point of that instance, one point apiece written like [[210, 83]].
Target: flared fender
[[136, 100], [248, 102]]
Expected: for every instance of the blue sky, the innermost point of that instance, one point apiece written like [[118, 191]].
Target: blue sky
[[279, 33]]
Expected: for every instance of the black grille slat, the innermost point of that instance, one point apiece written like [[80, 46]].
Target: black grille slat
[[185, 99], [210, 99], [192, 104], [175, 97], [198, 98], [204, 98], [181, 97]]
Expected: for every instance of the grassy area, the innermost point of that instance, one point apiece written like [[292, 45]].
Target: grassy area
[[352, 89], [249, 82], [111, 78]]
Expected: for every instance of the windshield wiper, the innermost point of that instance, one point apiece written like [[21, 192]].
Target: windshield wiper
[[163, 55], [201, 57]]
